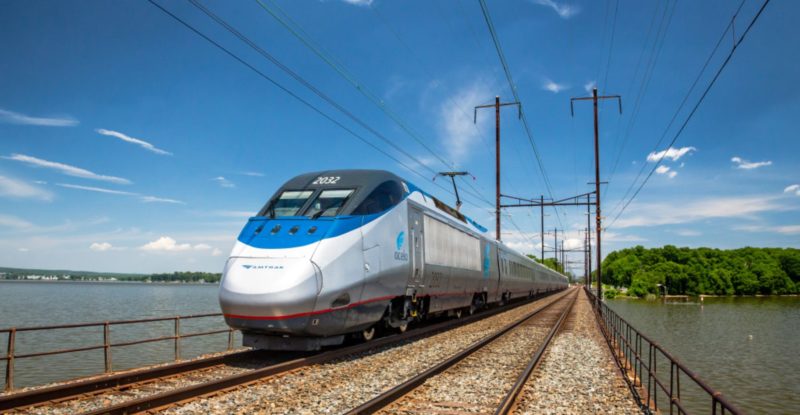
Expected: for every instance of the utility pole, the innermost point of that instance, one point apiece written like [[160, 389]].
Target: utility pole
[[452, 175], [497, 106], [541, 207], [599, 227], [555, 245], [589, 238]]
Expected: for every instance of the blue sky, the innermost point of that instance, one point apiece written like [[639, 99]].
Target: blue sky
[[131, 144]]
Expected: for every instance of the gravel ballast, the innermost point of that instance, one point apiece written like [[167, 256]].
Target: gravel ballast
[[339, 386], [578, 374]]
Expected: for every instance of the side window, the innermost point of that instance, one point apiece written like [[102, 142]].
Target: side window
[[386, 195]]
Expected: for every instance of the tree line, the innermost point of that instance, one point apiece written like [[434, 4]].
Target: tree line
[[695, 271]]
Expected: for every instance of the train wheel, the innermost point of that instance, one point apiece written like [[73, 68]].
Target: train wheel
[[402, 327], [368, 334]]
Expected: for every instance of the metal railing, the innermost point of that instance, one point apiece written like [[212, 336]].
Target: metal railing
[[639, 358], [107, 346]]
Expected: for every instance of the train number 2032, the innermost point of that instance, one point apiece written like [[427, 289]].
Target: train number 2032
[[326, 180]]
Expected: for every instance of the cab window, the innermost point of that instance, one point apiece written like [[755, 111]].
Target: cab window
[[328, 203], [386, 195], [289, 203]]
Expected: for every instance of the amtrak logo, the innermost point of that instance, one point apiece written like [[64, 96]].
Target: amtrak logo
[[399, 254], [248, 266]]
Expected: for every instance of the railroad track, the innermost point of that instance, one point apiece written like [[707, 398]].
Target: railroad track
[[486, 377], [153, 389]]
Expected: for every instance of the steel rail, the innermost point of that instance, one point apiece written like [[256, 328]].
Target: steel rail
[[395, 393], [95, 386], [510, 400], [188, 393]]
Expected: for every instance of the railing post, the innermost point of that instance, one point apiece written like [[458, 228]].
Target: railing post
[[230, 339], [178, 338], [12, 334], [107, 346]]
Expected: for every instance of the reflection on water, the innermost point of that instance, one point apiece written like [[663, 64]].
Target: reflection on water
[[53, 303], [744, 347]]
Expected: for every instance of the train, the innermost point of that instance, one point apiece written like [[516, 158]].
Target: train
[[346, 253]]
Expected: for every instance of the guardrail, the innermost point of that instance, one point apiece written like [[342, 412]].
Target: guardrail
[[639, 358], [107, 346]]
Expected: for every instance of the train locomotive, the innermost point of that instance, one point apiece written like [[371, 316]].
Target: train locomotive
[[346, 252]]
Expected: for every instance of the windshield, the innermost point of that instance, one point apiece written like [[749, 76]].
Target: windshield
[[289, 202], [328, 203]]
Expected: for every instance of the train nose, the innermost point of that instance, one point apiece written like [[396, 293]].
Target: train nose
[[269, 294]]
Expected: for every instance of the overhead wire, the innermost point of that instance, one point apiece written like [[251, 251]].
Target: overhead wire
[[699, 101], [293, 94], [514, 92]]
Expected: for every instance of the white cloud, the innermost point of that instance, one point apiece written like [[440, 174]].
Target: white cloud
[[655, 214], [554, 87], [688, 232], [670, 153], [795, 188], [783, 229], [589, 86], [143, 198], [66, 169], [223, 182], [565, 11], [747, 165], [662, 169], [96, 189], [216, 252], [153, 199], [252, 174], [8, 221], [137, 141], [459, 135], [23, 250], [100, 246], [364, 3], [165, 243], [11, 117], [18, 189]]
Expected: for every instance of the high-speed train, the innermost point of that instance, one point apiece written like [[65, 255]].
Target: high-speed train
[[343, 252]]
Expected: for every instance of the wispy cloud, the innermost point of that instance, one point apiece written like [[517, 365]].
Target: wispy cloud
[[363, 3], [565, 11], [662, 169], [66, 169], [223, 182], [782, 229], [143, 198], [656, 214], [252, 174], [671, 153], [589, 86], [139, 142], [747, 165], [167, 244], [795, 188], [13, 222], [552, 86], [11, 117], [102, 246], [18, 189], [153, 199], [459, 135]]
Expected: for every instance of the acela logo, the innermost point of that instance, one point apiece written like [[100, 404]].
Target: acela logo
[[248, 266], [399, 254], [400, 239]]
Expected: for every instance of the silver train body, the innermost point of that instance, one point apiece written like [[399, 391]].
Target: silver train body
[[340, 252]]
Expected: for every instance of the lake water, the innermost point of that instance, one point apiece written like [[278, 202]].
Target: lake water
[[747, 347], [25, 304]]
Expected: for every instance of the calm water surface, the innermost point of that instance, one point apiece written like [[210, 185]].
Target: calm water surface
[[747, 348], [53, 303]]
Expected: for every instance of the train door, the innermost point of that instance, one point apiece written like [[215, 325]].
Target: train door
[[416, 248]]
